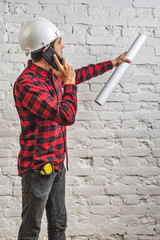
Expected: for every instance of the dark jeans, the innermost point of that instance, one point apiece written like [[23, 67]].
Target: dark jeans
[[40, 192]]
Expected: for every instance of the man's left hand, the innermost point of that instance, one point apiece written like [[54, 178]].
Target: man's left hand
[[116, 62]]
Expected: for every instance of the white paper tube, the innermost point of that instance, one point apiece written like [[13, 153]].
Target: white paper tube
[[120, 70]]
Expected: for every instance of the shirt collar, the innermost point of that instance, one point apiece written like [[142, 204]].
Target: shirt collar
[[41, 71]]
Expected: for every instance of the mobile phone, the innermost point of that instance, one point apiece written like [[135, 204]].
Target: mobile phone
[[48, 56]]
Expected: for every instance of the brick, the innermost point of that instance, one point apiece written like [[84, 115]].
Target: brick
[[18, 1], [130, 180], [155, 133], [10, 170], [14, 57], [52, 2], [5, 190], [2, 96], [145, 12], [129, 32], [96, 11], [4, 86], [96, 87], [130, 106], [81, 60], [12, 212], [85, 20], [147, 97], [153, 41], [106, 152], [157, 87], [98, 200], [135, 115], [146, 4], [65, 10], [115, 200], [157, 51], [10, 115], [124, 133], [4, 162], [156, 152], [129, 123], [141, 22], [140, 230], [14, 18], [131, 199], [118, 97], [2, 36], [103, 210], [112, 21], [120, 189], [8, 133], [74, 39], [157, 34], [129, 142], [155, 115], [147, 60], [130, 237], [100, 40], [47, 9], [130, 88], [80, 10], [5, 201], [156, 70], [5, 143], [145, 171], [89, 2], [3, 7], [88, 190], [17, 191], [11, 152], [98, 144], [4, 181], [109, 116], [116, 3], [157, 142], [130, 11], [89, 96], [5, 105], [138, 152]]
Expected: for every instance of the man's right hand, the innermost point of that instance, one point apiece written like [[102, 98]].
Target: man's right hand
[[66, 72]]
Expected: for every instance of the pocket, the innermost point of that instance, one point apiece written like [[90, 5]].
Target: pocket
[[26, 181], [40, 185]]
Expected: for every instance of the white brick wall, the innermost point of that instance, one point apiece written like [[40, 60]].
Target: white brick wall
[[113, 186]]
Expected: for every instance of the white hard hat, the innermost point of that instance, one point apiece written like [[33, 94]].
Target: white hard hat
[[36, 34]]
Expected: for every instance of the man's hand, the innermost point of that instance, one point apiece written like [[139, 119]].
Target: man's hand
[[66, 72], [116, 62]]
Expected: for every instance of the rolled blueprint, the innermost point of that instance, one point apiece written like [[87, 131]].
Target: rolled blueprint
[[120, 70]]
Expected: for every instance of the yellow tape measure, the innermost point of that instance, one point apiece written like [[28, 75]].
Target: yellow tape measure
[[47, 169]]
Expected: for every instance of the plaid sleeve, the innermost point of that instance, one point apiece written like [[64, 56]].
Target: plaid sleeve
[[41, 103], [92, 70]]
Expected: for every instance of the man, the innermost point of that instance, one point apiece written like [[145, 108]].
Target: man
[[45, 109]]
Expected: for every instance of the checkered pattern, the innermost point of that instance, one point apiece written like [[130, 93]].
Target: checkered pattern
[[45, 108]]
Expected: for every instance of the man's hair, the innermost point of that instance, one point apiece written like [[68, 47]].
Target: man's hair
[[36, 56]]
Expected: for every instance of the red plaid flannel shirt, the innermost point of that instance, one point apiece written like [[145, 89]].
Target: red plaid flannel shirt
[[45, 108]]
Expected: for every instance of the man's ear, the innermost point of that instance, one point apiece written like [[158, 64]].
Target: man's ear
[[44, 49]]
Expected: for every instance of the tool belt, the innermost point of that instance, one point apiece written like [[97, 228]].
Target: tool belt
[[47, 169]]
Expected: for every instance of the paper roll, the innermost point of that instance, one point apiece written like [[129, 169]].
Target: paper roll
[[120, 70]]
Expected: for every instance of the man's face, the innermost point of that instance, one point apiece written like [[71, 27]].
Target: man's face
[[58, 46]]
